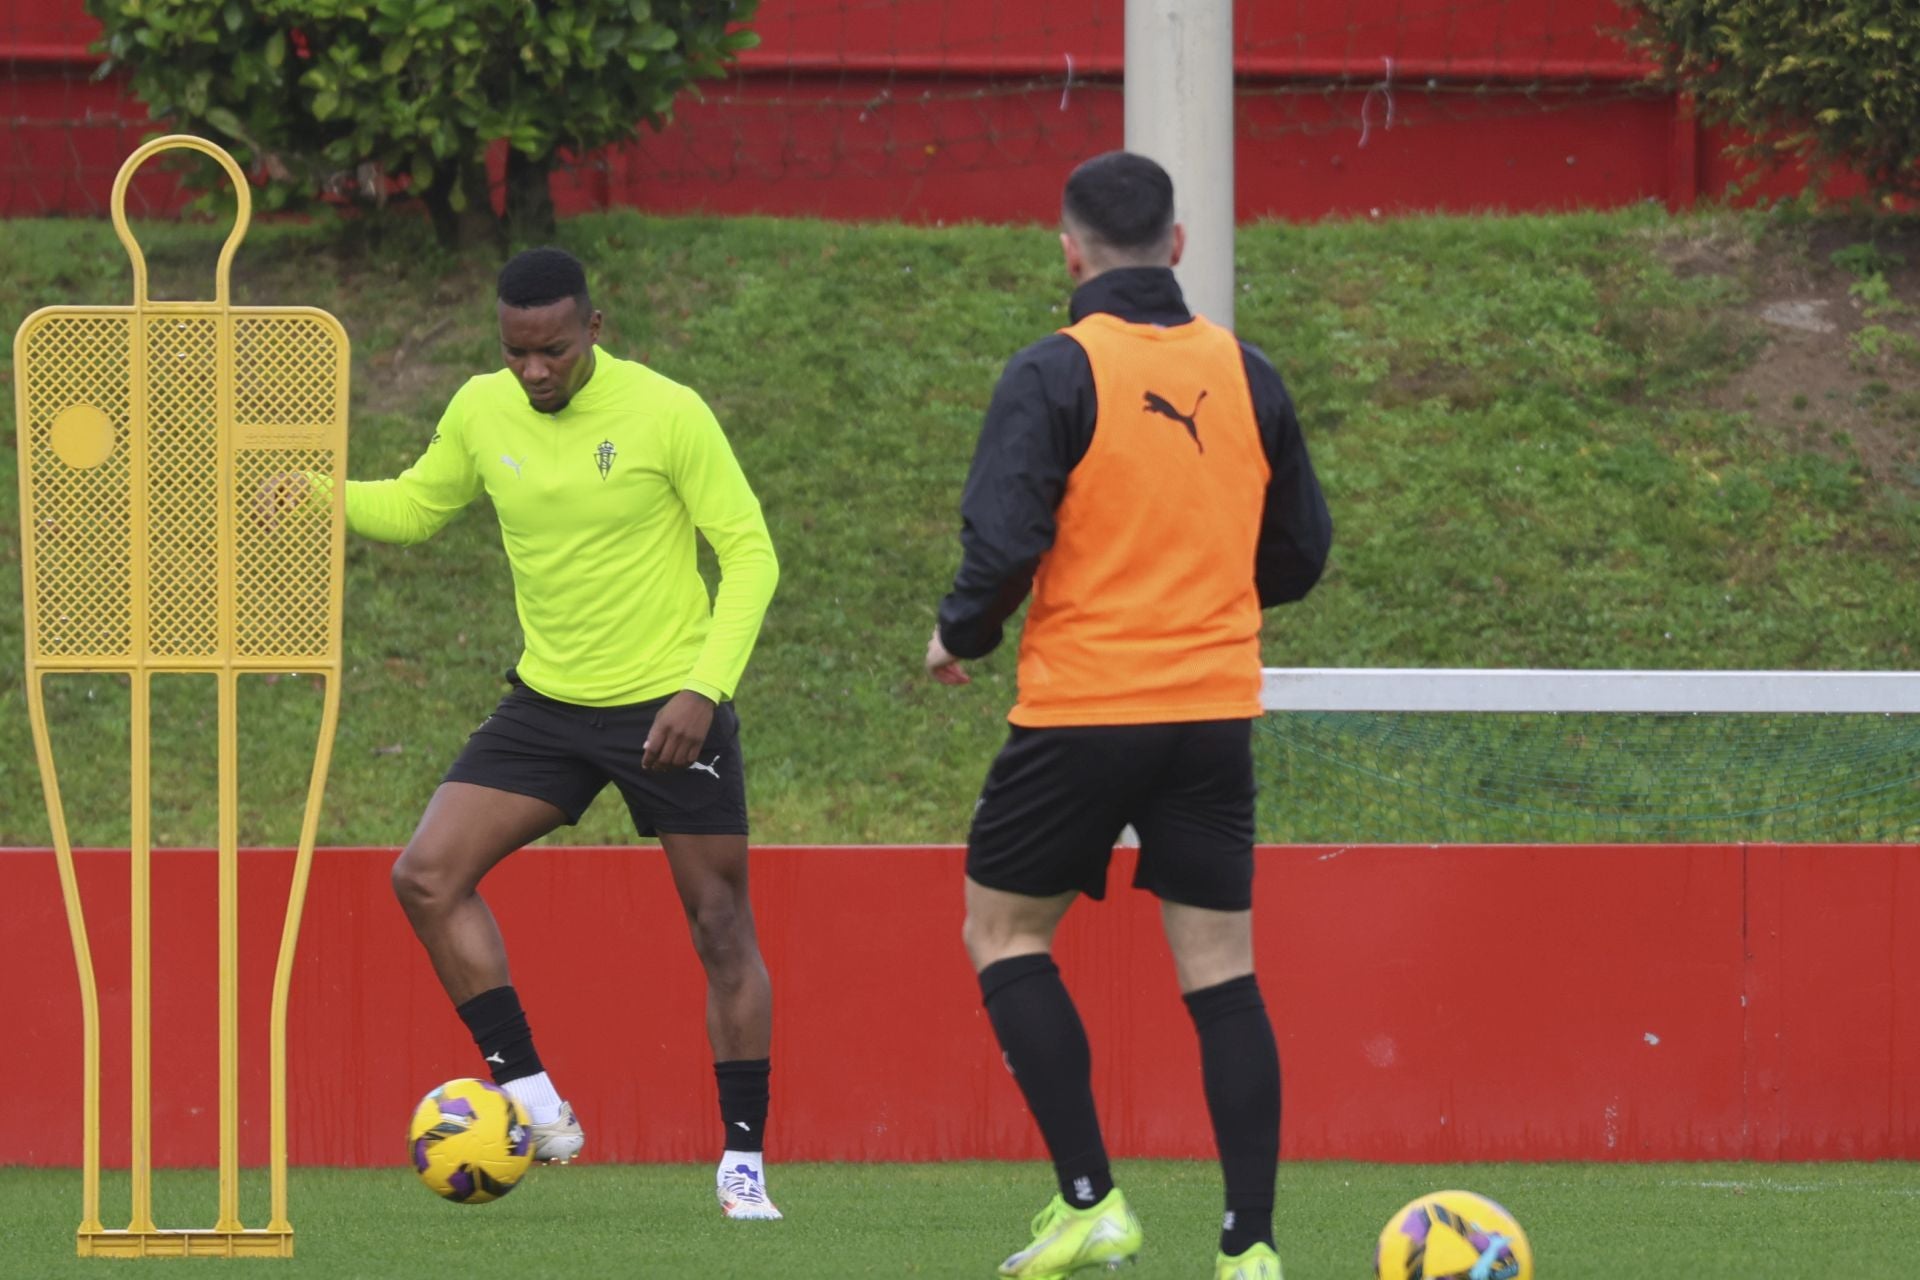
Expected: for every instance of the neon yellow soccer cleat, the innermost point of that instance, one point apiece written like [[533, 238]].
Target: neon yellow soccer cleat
[[1067, 1240], [1259, 1262]]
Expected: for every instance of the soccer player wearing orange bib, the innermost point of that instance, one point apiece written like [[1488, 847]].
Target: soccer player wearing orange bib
[[1142, 474]]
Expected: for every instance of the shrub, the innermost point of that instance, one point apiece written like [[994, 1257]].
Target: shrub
[[407, 95], [1829, 81]]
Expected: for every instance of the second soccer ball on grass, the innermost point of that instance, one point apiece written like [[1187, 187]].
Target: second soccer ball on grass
[[1452, 1235]]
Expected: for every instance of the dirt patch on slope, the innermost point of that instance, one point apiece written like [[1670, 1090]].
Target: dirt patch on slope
[[1837, 306]]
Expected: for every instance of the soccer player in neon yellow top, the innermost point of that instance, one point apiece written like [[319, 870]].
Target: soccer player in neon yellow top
[[600, 470]]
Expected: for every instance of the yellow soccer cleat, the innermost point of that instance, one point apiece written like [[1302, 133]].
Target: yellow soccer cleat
[[1066, 1240], [1259, 1262]]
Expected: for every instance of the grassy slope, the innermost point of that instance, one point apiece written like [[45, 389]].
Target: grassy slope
[[1509, 417], [1586, 1222]]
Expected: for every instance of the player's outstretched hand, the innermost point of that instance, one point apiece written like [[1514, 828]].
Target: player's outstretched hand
[[943, 666], [678, 731], [278, 495]]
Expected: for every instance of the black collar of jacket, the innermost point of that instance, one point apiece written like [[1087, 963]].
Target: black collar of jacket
[[1138, 295]]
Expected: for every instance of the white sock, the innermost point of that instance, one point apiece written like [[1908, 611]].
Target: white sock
[[754, 1160], [537, 1096]]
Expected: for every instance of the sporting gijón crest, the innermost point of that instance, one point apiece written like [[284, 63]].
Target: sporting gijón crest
[[603, 457]]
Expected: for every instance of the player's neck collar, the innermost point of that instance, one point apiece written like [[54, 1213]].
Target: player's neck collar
[[1140, 295], [597, 379]]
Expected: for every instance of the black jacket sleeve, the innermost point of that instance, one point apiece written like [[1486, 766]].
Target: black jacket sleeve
[[1037, 429], [1296, 531]]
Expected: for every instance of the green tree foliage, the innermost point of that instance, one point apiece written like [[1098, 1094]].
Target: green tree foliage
[[384, 96], [1830, 81]]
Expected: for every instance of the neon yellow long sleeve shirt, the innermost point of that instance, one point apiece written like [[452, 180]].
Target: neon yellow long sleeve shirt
[[598, 504]]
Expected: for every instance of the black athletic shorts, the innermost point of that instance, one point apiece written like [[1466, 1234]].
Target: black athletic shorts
[[563, 753], [1056, 799]]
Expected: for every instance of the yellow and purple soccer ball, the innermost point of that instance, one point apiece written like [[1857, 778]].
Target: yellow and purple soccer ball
[[469, 1141], [1452, 1235]]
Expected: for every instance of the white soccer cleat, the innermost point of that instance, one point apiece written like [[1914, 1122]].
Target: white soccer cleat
[[559, 1140], [743, 1194]]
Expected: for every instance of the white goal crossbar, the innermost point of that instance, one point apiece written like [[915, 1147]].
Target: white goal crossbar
[[1465, 689]]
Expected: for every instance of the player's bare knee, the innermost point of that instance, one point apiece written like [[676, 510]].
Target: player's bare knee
[[972, 937], [422, 888], [408, 885], [1207, 962], [989, 939], [1198, 972], [722, 935]]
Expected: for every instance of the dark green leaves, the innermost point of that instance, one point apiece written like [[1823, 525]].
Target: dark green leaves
[[1831, 81], [413, 89]]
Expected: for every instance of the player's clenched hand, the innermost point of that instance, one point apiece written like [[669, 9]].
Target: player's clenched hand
[[678, 730], [278, 495], [943, 666]]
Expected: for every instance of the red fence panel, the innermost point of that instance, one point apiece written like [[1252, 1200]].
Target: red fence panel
[[1840, 1040], [949, 110], [1445, 1003]]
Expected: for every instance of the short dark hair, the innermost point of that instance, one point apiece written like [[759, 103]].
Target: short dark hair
[[541, 277], [1122, 199]]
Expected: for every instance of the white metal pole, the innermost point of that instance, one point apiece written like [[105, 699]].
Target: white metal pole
[[1179, 111]]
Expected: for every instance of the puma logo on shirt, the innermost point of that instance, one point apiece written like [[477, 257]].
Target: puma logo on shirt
[[1159, 405]]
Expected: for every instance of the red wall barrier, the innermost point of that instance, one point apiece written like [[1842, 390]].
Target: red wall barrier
[[932, 110], [1454, 1003], [1523, 36]]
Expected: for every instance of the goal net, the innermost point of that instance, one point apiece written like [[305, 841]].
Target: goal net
[[1470, 757]]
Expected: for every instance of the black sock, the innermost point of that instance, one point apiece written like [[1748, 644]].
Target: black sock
[[500, 1029], [743, 1102], [1240, 1064], [1046, 1049]]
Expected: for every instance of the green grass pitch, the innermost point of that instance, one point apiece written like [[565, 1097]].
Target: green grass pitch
[[1586, 1221], [1547, 442]]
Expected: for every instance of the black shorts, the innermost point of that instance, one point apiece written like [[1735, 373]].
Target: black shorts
[[1056, 799], [563, 753]]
